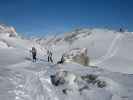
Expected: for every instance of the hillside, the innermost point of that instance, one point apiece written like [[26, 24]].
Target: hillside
[[108, 77], [107, 49]]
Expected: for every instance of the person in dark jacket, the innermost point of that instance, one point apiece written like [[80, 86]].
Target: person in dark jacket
[[50, 56], [62, 60], [34, 53]]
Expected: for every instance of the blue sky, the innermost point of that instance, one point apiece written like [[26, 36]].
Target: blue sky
[[40, 17]]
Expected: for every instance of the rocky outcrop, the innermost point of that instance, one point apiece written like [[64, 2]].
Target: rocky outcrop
[[71, 82], [77, 55], [8, 30]]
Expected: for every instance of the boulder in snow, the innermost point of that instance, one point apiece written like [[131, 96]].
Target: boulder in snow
[[77, 55]]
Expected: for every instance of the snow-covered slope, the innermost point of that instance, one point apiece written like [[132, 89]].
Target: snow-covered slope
[[21, 79], [106, 48]]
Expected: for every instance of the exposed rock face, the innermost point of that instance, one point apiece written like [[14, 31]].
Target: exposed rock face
[[78, 55], [76, 34], [71, 82], [8, 30]]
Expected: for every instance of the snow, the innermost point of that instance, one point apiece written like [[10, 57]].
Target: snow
[[106, 48], [3, 45], [110, 54]]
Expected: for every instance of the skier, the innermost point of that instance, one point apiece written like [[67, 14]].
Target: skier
[[62, 60], [34, 52], [121, 30], [50, 56]]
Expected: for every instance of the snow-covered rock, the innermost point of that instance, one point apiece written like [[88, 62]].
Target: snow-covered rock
[[8, 30], [77, 55]]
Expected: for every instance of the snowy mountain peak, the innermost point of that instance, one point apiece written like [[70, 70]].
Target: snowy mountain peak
[[8, 30]]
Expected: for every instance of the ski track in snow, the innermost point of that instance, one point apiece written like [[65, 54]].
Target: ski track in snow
[[111, 51], [33, 76]]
